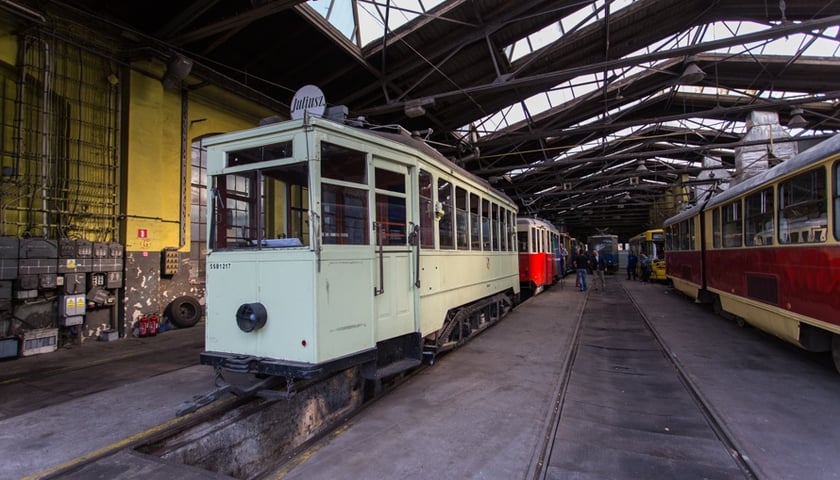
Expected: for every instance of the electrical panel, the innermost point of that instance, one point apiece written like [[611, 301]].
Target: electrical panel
[[72, 305], [114, 280], [9, 253], [169, 260], [70, 276], [74, 283]]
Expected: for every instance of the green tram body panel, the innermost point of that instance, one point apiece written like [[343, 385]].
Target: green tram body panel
[[326, 301]]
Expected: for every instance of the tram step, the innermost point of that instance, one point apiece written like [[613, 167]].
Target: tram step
[[395, 368]]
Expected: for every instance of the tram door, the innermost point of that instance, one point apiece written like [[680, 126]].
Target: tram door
[[394, 290]]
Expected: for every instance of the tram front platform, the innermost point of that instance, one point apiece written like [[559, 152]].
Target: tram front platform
[[502, 406]]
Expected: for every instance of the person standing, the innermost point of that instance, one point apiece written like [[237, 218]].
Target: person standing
[[563, 255], [599, 266], [581, 263], [632, 261], [644, 261]]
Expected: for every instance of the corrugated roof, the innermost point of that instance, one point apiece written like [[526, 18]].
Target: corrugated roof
[[453, 60]]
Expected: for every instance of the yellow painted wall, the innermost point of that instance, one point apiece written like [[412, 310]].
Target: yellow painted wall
[[8, 44], [154, 154]]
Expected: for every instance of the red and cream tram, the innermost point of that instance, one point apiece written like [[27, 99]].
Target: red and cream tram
[[539, 244], [767, 250]]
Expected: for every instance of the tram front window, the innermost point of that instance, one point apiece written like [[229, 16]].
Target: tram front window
[[265, 208]]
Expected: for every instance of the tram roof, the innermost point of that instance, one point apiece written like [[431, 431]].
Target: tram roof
[[826, 149], [579, 111], [382, 134]]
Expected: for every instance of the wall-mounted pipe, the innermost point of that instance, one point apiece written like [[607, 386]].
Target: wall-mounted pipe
[[45, 146]]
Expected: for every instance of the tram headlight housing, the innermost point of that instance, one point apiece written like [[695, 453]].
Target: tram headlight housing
[[251, 316]]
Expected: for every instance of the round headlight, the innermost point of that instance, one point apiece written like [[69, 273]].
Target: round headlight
[[251, 316]]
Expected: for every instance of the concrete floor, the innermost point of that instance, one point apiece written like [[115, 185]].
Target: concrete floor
[[482, 411]]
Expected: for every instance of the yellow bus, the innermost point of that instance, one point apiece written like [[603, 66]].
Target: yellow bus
[[651, 243]]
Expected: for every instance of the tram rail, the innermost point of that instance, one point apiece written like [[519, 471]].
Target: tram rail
[[629, 396]]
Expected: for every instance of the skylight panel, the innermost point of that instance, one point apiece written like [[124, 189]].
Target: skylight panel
[[369, 20], [581, 18], [338, 12], [533, 42], [578, 19]]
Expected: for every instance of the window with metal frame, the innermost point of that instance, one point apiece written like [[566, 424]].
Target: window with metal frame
[[427, 210], [344, 203], [758, 218], [446, 227], [803, 208], [390, 207], [731, 223], [475, 222], [461, 221]]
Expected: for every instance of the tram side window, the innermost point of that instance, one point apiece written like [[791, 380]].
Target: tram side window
[[485, 224], [505, 237], [679, 236], [262, 153], [716, 228], [461, 222], [803, 208], [344, 204], [675, 235], [509, 230], [298, 224], [427, 210], [512, 227], [235, 210], [475, 222], [345, 215], [522, 240], [446, 229], [261, 208], [494, 209], [732, 231], [390, 207], [758, 218], [691, 239], [837, 201]]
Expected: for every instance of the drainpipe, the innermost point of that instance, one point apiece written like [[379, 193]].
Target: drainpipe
[[185, 167], [45, 111]]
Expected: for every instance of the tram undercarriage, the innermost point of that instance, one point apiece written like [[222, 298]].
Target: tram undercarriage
[[465, 322]]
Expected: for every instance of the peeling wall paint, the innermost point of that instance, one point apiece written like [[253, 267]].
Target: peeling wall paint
[[148, 292]]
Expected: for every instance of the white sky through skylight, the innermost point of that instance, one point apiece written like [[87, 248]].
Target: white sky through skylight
[[372, 15]]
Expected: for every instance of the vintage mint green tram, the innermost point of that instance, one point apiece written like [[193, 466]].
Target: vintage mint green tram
[[331, 246]]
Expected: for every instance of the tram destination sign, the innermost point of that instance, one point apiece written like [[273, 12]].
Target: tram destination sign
[[308, 98]]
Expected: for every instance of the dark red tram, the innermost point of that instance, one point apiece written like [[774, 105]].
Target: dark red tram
[[767, 250]]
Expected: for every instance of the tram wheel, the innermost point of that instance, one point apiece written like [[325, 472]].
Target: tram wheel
[[740, 322], [835, 351]]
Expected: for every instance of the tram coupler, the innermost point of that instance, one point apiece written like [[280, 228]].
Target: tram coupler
[[270, 394], [261, 389]]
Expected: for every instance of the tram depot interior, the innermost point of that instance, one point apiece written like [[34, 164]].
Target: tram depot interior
[[601, 117]]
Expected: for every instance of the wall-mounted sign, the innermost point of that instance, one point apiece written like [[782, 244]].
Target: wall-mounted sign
[[308, 98]]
